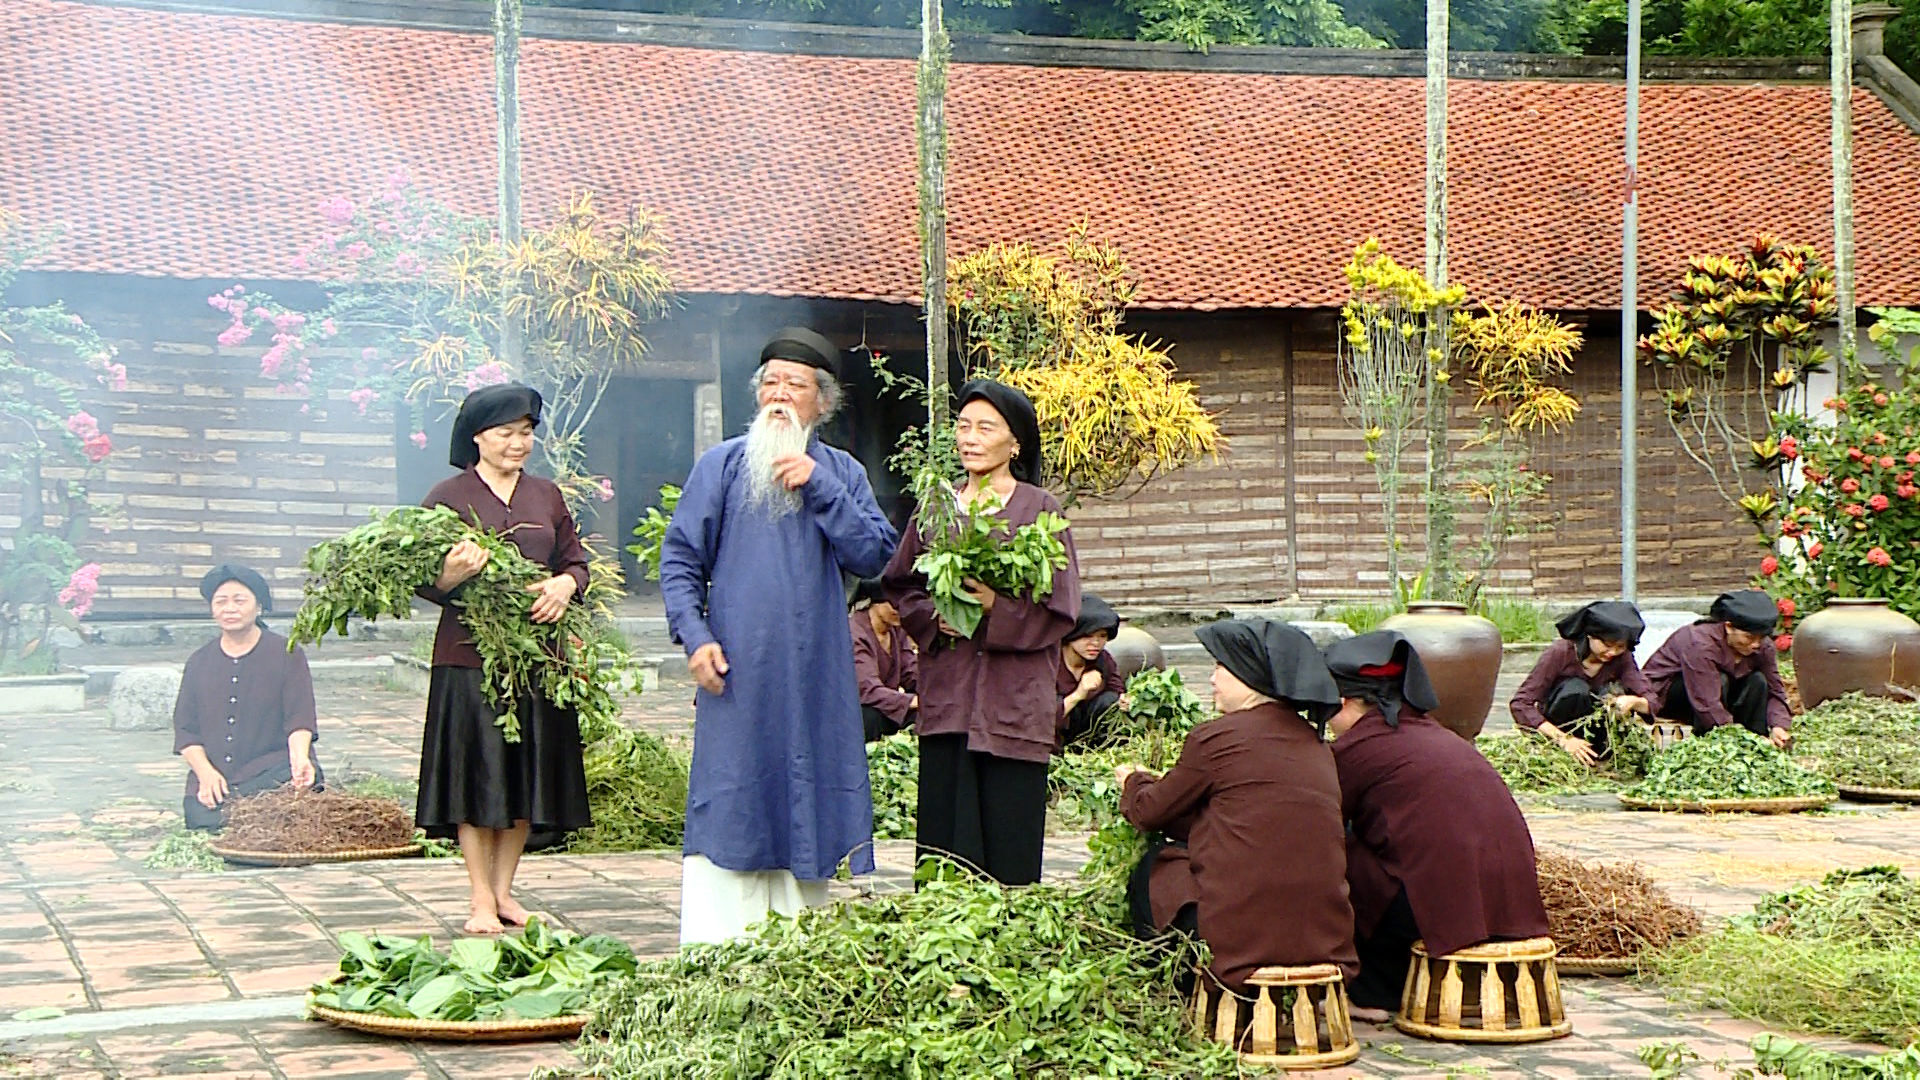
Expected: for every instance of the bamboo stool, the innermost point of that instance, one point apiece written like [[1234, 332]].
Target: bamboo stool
[[1668, 732], [1256, 1029], [1499, 992]]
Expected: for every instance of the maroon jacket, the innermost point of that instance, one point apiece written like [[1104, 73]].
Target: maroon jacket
[[1701, 653], [1065, 681], [1256, 797], [1561, 660], [887, 673], [996, 688], [240, 709], [536, 521], [1431, 815]]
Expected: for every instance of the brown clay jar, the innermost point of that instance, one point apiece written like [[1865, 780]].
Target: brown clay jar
[[1133, 649], [1854, 644], [1461, 652]]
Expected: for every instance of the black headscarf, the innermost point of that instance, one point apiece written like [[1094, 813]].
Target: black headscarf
[[803, 346], [1017, 409], [1275, 659], [1747, 609], [245, 575], [1608, 620], [866, 593], [1382, 668], [1095, 616], [489, 407]]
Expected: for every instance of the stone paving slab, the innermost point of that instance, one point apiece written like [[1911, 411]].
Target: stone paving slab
[[85, 927]]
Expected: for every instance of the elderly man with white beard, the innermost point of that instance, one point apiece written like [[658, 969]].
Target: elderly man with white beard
[[751, 573]]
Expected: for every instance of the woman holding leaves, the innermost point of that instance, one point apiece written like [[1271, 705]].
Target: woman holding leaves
[[988, 708], [1591, 665], [473, 782]]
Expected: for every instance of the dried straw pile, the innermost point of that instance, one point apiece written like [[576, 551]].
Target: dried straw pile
[[1608, 911], [295, 821]]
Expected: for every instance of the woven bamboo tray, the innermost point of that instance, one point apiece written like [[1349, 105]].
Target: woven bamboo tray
[[1731, 806], [558, 1027], [304, 858], [1612, 965], [1879, 794]]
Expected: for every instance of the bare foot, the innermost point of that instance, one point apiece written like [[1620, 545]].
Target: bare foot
[[1371, 1016], [511, 913], [484, 922]]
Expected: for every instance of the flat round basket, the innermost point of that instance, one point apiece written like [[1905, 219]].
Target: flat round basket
[[304, 858], [558, 1027], [1731, 806], [1879, 794], [1611, 965]]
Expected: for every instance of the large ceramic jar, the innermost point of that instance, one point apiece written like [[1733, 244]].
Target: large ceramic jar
[[1461, 652], [1132, 649], [1854, 644]]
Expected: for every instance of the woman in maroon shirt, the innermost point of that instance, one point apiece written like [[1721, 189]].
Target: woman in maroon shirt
[[1579, 673], [884, 663], [988, 708], [473, 783], [1089, 680]]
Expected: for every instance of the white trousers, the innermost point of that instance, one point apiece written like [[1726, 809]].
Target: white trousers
[[717, 905]]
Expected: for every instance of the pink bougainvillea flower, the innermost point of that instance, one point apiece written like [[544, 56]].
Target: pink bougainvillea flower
[[82, 585], [1879, 557], [1849, 485], [362, 398], [97, 448], [83, 425], [1878, 502], [1886, 463], [419, 439], [327, 327], [236, 334], [337, 211], [1786, 606], [1783, 643], [604, 490], [1769, 566], [114, 376], [487, 374], [1906, 491]]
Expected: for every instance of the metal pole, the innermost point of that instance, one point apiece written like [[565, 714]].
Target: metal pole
[[1840, 76], [1440, 504], [506, 88], [1630, 324], [933, 203]]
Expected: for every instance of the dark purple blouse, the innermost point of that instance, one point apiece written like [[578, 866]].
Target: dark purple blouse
[[886, 672], [1561, 661], [535, 520], [1701, 653], [241, 709]]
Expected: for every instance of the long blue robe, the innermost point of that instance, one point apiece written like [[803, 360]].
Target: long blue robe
[[779, 759]]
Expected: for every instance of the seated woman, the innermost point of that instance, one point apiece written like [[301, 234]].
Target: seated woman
[[1722, 670], [244, 719], [1251, 860], [1087, 679], [1438, 851], [1572, 679], [885, 661]]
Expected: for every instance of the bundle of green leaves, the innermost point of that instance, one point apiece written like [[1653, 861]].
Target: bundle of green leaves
[[637, 793], [1531, 765], [1729, 762], [973, 543], [1080, 786], [1159, 702], [893, 768], [650, 533], [372, 572], [1840, 957], [537, 974], [1861, 741], [961, 978]]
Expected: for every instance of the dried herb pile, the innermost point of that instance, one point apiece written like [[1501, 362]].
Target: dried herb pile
[[297, 821], [1729, 762], [1608, 911], [636, 792], [372, 572], [1861, 741], [1841, 957], [961, 978]]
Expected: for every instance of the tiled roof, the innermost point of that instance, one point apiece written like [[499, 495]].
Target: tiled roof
[[195, 145]]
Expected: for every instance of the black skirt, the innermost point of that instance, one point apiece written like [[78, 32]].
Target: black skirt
[[984, 812], [471, 775]]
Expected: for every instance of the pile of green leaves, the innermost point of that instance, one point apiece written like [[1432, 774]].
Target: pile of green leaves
[[1081, 793], [1778, 1056], [961, 978], [893, 768], [636, 792], [1841, 957], [1729, 762], [185, 849], [972, 543], [1157, 702], [1861, 741], [651, 532], [372, 572], [534, 975]]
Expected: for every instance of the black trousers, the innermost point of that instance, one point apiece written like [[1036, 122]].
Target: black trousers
[[1384, 956], [1745, 698], [1084, 723], [985, 812], [200, 817], [1568, 707], [879, 725]]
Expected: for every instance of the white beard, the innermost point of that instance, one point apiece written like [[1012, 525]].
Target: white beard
[[768, 440]]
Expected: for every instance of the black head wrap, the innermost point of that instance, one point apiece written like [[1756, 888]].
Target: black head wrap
[[1608, 620], [489, 407], [867, 593], [1747, 609], [803, 346], [1274, 659], [245, 575], [1095, 616], [1382, 668], [1017, 409]]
